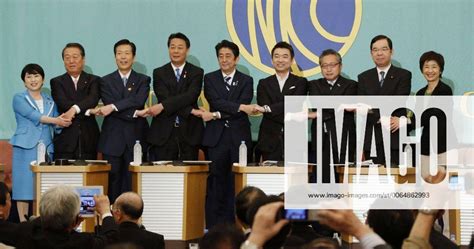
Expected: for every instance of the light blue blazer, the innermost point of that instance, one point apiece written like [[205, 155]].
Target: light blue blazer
[[29, 129]]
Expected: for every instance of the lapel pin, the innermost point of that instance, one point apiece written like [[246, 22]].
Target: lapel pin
[[391, 76], [184, 77], [129, 89], [338, 85]]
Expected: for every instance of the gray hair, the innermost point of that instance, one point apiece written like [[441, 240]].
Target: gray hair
[[330, 52], [59, 207]]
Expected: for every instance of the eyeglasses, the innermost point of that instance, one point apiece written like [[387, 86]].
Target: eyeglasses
[[384, 49], [329, 66]]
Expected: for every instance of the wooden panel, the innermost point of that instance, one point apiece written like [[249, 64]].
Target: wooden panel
[[163, 198], [193, 206], [271, 184], [240, 181], [97, 179], [71, 169], [259, 169], [137, 182], [169, 169]]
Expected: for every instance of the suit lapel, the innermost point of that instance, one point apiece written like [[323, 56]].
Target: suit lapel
[[68, 84], [288, 84], [131, 83], [235, 87], [388, 80], [48, 104], [82, 82]]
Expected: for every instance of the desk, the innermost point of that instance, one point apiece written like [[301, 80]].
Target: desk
[[270, 179], [87, 175], [174, 198]]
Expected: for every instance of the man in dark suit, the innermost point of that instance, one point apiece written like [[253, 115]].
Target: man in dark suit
[[271, 93], [127, 210], [75, 92], [229, 93], [176, 129], [333, 84], [123, 93], [7, 235], [384, 79], [59, 217]]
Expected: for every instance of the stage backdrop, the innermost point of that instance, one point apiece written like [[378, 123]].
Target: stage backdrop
[[37, 30]]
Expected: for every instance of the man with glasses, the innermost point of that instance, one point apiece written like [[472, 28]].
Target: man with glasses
[[387, 80], [332, 84]]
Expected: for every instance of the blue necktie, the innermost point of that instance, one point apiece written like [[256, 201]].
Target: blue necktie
[[178, 74]]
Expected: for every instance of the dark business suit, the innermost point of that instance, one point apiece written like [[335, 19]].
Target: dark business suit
[[120, 129], [270, 137], [8, 232], [130, 232], [440, 90], [31, 235], [84, 129], [397, 81], [178, 99], [223, 138], [342, 86]]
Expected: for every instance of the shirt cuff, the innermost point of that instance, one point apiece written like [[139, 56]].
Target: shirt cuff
[[218, 115], [267, 108], [76, 107], [135, 114], [88, 112], [371, 240], [115, 108]]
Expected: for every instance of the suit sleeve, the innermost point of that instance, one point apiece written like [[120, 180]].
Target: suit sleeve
[[360, 85], [352, 88], [21, 107], [135, 101], [107, 234], [126, 107], [404, 85], [92, 96], [277, 113], [183, 102], [225, 106], [59, 96]]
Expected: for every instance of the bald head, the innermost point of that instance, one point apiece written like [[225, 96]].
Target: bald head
[[130, 204]]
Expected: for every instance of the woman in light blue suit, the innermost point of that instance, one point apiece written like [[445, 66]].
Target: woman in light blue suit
[[36, 118]]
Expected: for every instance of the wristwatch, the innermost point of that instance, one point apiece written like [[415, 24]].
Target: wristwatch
[[249, 245]]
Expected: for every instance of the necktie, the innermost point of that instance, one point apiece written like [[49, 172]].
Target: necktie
[[382, 78], [178, 74], [124, 80], [227, 81]]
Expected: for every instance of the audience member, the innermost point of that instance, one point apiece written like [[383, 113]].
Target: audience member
[[322, 243], [243, 201], [6, 228], [127, 210], [345, 221], [222, 236], [59, 217], [265, 226], [279, 238]]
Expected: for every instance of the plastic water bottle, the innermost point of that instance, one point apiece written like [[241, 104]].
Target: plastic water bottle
[[137, 153], [243, 154], [40, 152]]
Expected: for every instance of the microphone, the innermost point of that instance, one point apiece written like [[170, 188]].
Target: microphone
[[79, 161], [148, 160]]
